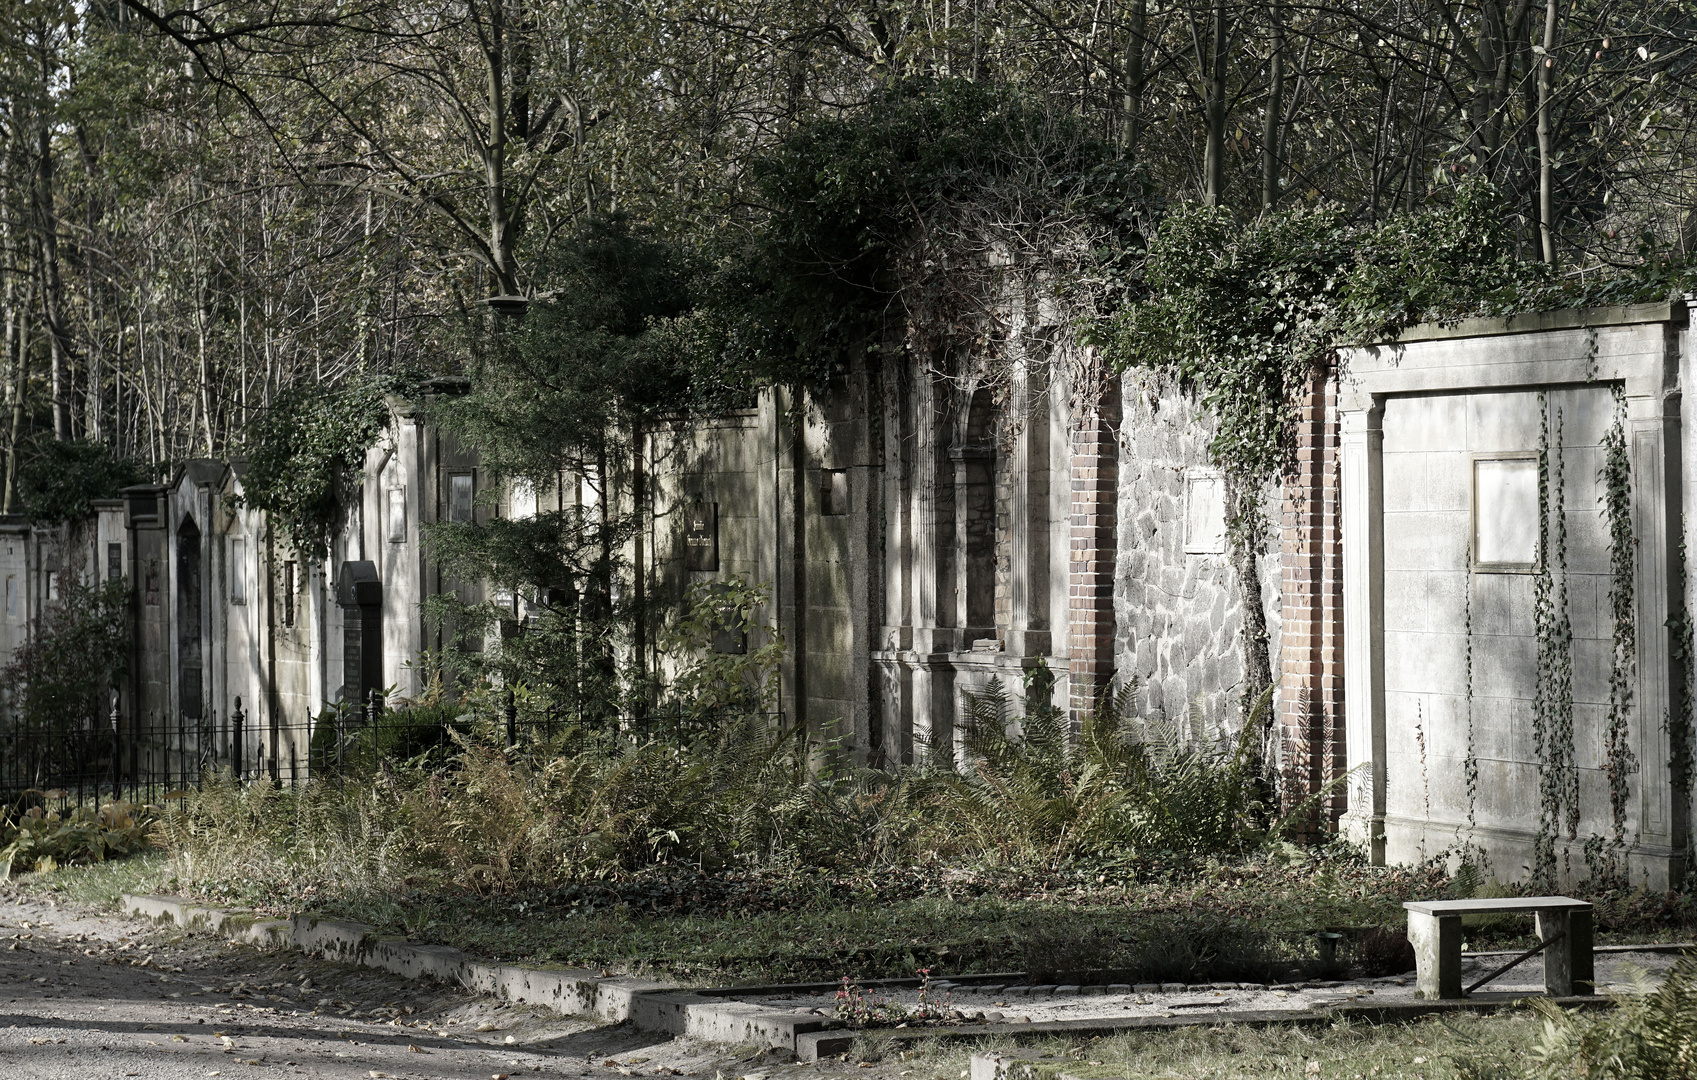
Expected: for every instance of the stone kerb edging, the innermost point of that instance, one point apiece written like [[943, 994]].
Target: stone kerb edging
[[648, 1005]]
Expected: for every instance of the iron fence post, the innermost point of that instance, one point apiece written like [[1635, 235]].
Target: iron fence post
[[512, 719], [373, 713], [236, 719], [117, 776]]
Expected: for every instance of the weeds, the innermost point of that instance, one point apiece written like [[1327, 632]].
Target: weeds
[[588, 807]]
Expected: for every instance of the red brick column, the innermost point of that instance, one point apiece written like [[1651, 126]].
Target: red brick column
[[1093, 545], [1310, 704]]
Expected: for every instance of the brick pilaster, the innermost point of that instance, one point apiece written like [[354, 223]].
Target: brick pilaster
[[1310, 704], [1093, 545]]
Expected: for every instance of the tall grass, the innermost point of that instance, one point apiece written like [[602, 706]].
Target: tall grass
[[586, 806]]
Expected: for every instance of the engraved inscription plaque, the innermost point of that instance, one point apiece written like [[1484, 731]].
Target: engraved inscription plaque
[[701, 536]]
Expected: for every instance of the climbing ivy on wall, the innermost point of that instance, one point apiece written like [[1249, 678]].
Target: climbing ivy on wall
[[1552, 705], [1616, 480], [1470, 760], [1680, 711]]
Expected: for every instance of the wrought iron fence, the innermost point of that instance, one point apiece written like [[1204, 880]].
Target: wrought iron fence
[[154, 759]]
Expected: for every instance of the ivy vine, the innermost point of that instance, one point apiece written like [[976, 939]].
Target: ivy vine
[[1616, 479], [1470, 760], [1682, 718], [1552, 706], [303, 454]]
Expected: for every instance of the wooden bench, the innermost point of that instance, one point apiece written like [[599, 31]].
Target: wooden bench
[[1564, 926]]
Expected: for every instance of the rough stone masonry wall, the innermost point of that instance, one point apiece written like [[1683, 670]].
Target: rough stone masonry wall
[[1179, 616]]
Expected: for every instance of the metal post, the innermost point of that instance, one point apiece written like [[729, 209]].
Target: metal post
[[373, 712], [512, 719], [117, 774], [236, 718]]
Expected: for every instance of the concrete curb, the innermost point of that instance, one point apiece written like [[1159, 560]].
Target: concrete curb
[[1028, 1065], [704, 1013]]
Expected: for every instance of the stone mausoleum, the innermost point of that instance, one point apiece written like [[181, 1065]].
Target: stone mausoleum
[[1465, 654]]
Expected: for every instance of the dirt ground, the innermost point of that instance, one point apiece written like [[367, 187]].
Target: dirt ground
[[90, 995]]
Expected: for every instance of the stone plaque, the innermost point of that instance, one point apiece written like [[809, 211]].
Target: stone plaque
[[833, 492], [701, 536], [1204, 514], [1505, 513], [461, 493], [236, 572], [396, 513]]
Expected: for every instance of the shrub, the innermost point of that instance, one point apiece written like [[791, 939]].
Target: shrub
[[1383, 950], [59, 480], [742, 793], [1128, 784], [59, 679], [40, 840]]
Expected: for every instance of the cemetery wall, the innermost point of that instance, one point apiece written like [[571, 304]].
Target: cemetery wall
[[1509, 667]]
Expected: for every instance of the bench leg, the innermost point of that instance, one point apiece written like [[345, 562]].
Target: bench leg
[[1568, 964], [1437, 954]]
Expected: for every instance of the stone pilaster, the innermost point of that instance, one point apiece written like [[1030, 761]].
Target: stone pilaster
[[1310, 707]]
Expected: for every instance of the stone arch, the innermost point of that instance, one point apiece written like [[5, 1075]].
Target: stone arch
[[191, 688]]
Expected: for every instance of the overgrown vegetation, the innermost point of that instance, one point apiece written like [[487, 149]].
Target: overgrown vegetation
[[1651, 1034], [303, 453], [732, 854], [58, 481]]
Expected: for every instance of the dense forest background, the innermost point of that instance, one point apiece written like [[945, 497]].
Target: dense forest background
[[209, 211]]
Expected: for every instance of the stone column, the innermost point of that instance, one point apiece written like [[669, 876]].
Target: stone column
[[1310, 667], [1362, 527], [1093, 547], [933, 566], [1028, 523]]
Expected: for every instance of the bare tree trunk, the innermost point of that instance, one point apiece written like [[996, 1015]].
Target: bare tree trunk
[[1546, 149], [1133, 76], [52, 290], [18, 325], [1273, 127], [1214, 107], [501, 237]]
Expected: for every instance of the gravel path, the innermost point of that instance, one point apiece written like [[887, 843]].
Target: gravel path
[[90, 996]]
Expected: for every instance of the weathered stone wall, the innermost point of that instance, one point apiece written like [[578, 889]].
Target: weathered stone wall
[[1179, 616]]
